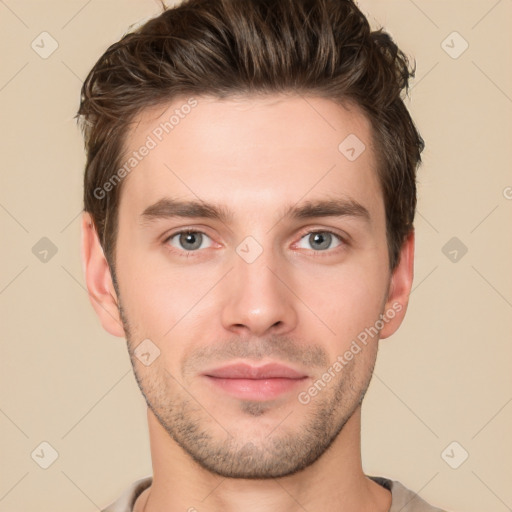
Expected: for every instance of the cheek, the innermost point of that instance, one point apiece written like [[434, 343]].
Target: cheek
[[346, 300], [164, 302], [148, 295]]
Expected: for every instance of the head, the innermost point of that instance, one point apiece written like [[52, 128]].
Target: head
[[283, 121]]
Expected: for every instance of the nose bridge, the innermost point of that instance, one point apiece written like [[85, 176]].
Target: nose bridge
[[254, 265], [258, 298]]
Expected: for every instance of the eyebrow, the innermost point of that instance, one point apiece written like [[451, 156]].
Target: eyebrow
[[167, 208]]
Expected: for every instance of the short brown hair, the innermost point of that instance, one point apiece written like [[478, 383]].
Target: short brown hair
[[225, 48]]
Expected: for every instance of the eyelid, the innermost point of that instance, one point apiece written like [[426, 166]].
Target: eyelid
[[344, 237]]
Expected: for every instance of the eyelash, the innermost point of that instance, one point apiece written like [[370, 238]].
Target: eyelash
[[189, 254]]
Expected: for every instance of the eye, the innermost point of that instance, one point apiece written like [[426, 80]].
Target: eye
[[321, 240], [189, 241]]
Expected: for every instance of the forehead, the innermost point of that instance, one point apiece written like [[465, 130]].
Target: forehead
[[249, 153]]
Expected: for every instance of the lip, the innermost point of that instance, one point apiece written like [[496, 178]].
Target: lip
[[246, 371], [255, 382]]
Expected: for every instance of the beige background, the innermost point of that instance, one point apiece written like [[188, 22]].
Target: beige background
[[444, 377]]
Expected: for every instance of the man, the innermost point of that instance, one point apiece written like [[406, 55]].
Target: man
[[248, 227]]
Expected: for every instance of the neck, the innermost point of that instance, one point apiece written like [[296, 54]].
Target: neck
[[334, 482]]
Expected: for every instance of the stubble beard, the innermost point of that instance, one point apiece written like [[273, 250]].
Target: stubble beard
[[288, 449]]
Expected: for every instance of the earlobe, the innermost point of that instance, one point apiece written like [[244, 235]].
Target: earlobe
[[99, 280], [399, 289]]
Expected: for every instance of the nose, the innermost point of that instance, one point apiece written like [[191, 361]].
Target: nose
[[259, 300]]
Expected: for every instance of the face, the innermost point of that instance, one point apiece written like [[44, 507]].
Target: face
[[252, 259]]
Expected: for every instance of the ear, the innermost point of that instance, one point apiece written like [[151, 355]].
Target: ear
[[399, 289], [101, 290]]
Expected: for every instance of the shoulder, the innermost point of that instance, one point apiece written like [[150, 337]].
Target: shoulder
[[126, 501], [403, 499]]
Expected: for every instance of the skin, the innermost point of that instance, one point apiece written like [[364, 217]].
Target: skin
[[297, 304]]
